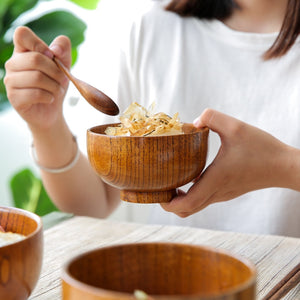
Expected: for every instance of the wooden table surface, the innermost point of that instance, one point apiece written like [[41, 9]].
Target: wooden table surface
[[274, 256]]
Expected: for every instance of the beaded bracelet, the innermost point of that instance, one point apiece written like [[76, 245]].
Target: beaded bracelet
[[61, 169]]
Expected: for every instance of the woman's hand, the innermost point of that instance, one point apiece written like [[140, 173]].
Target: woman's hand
[[35, 86], [248, 159]]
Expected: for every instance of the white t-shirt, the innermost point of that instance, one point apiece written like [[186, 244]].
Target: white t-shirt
[[186, 65]]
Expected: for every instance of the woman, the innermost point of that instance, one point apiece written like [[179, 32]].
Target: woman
[[193, 55]]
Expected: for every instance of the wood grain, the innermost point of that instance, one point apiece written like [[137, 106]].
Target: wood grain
[[21, 262], [165, 271], [285, 285], [274, 256], [147, 169]]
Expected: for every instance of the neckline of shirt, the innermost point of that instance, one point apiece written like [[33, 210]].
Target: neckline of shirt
[[249, 40]]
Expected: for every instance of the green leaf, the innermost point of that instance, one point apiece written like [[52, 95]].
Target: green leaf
[[6, 51], [74, 55], [29, 194], [25, 190], [44, 205], [57, 23], [88, 4], [4, 5], [3, 98], [13, 9]]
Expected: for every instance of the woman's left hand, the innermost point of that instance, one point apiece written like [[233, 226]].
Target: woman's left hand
[[248, 159]]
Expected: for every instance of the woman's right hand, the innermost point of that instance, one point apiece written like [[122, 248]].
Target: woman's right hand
[[35, 86]]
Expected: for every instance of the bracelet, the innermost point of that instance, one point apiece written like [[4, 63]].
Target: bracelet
[[61, 169]]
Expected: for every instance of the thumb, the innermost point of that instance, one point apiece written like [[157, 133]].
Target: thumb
[[217, 122], [61, 48]]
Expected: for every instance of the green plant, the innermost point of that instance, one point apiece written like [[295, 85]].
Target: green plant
[[27, 190], [29, 193], [46, 27]]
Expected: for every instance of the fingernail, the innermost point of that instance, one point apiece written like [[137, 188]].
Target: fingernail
[[196, 122], [57, 50]]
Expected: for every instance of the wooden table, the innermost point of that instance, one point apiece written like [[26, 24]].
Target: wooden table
[[274, 256]]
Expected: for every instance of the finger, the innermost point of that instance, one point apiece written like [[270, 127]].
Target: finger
[[218, 122], [61, 48], [176, 205], [183, 207], [201, 194], [26, 40], [180, 193], [30, 61], [179, 206], [23, 98], [33, 79]]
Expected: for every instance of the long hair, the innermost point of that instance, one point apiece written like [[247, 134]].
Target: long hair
[[221, 9]]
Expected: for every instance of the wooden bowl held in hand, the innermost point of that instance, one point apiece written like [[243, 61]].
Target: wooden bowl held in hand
[[148, 169], [163, 271], [20, 262]]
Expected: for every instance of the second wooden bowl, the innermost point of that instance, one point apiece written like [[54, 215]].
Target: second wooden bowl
[[20, 262], [148, 169], [163, 271]]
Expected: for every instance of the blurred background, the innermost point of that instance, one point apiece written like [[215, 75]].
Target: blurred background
[[96, 27]]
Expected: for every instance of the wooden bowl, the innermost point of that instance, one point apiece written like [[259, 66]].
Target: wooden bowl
[[20, 262], [148, 169], [161, 270]]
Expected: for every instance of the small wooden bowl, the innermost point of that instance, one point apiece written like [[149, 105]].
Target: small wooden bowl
[[161, 270], [20, 262], [148, 169]]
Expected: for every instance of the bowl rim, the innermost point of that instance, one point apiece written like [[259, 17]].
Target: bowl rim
[[91, 131], [31, 215], [75, 283]]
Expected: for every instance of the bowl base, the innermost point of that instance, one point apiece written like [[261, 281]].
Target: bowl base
[[148, 197]]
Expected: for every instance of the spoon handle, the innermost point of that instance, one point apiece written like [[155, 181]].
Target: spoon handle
[[92, 95], [64, 69]]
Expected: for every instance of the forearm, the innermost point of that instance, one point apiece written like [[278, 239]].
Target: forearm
[[78, 190]]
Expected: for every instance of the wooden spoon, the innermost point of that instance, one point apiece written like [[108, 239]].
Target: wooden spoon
[[92, 95]]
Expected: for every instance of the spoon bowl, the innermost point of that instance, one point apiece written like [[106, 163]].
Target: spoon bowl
[[92, 95]]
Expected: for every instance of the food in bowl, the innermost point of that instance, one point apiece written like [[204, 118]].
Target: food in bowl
[[141, 295], [7, 238], [138, 121]]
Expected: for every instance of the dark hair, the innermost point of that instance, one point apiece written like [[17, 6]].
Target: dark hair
[[221, 9]]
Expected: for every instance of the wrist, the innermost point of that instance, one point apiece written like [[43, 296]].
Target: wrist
[[61, 169], [289, 175], [54, 147]]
